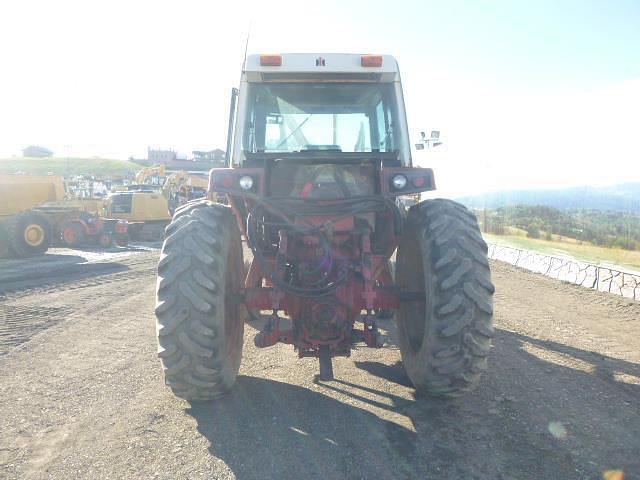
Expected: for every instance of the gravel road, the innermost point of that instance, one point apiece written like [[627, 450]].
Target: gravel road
[[82, 394]]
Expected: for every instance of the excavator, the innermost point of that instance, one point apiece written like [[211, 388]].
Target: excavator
[[149, 204], [154, 175], [181, 187]]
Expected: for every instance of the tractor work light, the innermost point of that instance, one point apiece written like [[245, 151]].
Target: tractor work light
[[270, 60], [399, 181], [246, 182], [371, 60]]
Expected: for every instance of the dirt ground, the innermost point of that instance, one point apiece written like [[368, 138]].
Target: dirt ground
[[82, 396]]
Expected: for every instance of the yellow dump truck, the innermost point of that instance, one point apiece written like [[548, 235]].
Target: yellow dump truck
[[34, 210], [24, 231]]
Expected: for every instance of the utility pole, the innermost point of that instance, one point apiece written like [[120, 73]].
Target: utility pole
[[429, 142], [67, 148]]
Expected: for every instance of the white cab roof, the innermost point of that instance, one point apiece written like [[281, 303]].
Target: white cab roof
[[319, 63]]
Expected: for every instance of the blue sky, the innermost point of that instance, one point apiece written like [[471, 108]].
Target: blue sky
[[525, 93], [538, 45]]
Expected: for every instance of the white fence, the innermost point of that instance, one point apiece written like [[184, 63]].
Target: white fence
[[581, 273]]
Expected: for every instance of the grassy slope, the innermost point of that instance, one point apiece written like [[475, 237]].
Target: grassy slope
[[100, 167], [585, 252]]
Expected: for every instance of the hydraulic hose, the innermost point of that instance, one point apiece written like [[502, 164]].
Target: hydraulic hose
[[283, 208]]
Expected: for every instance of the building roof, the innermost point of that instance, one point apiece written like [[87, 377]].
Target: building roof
[[38, 148]]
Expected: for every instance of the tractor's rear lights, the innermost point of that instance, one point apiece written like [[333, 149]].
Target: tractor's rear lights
[[246, 182], [270, 60], [371, 60], [399, 181], [419, 182], [226, 181], [235, 181]]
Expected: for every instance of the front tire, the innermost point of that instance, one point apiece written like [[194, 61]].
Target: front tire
[[444, 338], [28, 234], [200, 324]]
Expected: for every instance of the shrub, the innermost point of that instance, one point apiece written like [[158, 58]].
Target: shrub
[[533, 232]]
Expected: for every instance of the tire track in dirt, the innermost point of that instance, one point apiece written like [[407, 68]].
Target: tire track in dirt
[[21, 319], [19, 323]]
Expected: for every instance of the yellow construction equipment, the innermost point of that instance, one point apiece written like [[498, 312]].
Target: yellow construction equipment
[[23, 231], [154, 175], [142, 204], [22, 192], [181, 186], [148, 206], [146, 210], [34, 210]]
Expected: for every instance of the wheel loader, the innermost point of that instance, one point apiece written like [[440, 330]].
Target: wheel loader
[[319, 156]]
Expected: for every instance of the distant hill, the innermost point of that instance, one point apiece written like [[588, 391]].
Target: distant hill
[[99, 167], [621, 198]]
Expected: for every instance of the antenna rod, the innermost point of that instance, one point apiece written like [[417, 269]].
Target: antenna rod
[[246, 45]]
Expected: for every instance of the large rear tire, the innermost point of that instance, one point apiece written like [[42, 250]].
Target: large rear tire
[[200, 321], [444, 338], [4, 241], [28, 234]]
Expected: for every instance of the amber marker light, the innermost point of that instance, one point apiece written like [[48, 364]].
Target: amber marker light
[[371, 60], [270, 60]]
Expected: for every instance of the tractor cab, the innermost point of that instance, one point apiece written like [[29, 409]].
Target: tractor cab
[[321, 126], [344, 106]]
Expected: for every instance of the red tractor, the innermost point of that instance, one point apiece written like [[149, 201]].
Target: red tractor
[[89, 229], [320, 157]]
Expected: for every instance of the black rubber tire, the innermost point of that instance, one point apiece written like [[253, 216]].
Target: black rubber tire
[[152, 231], [15, 227], [135, 231], [105, 240], [445, 339], [122, 240], [4, 241], [200, 325]]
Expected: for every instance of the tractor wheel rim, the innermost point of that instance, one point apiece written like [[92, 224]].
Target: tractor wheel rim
[[69, 235], [34, 235]]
